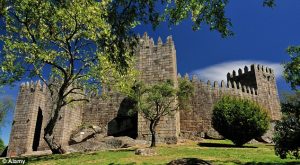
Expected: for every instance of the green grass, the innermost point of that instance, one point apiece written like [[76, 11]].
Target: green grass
[[213, 151]]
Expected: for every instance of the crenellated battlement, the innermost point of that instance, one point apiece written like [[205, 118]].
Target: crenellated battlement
[[147, 42], [253, 68], [33, 86], [229, 86]]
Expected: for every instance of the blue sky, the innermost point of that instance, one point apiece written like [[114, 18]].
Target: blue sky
[[261, 36]]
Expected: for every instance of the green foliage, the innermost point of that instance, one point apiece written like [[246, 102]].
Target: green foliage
[[6, 105], [173, 12], [290, 97], [2, 146], [160, 99], [292, 68], [287, 130], [186, 90], [239, 120], [72, 39], [154, 101]]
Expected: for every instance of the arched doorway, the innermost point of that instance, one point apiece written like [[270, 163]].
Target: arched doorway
[[37, 131]]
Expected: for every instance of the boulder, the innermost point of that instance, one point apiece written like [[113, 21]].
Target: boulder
[[213, 134], [102, 143], [171, 139], [88, 146], [188, 161], [84, 134], [253, 141], [141, 142], [268, 136], [145, 152], [97, 129], [119, 142]]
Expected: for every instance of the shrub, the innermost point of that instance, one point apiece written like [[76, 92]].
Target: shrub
[[2, 146], [287, 132], [239, 120]]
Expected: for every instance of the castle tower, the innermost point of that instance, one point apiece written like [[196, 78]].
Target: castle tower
[[29, 119], [263, 80], [33, 110], [158, 63]]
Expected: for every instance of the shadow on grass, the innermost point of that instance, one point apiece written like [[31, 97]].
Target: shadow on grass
[[259, 163], [182, 161], [55, 157], [68, 156], [122, 164], [282, 163], [189, 161], [223, 145]]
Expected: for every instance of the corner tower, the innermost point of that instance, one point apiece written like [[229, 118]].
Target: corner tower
[[30, 114], [262, 79]]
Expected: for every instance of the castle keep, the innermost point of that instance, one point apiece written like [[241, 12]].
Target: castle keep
[[156, 63]]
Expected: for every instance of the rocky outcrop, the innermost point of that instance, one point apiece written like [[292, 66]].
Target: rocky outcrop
[[268, 136], [99, 142], [213, 134], [84, 134]]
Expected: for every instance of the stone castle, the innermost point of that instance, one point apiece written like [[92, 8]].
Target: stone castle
[[156, 63]]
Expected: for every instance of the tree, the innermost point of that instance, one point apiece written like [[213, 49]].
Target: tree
[[5, 106], [292, 68], [287, 131], [161, 99], [2, 146], [239, 120], [71, 44]]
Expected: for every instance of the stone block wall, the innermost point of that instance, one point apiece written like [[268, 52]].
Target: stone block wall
[[158, 63], [31, 98], [257, 84], [100, 111]]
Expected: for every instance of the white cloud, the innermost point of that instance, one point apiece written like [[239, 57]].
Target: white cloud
[[219, 71]]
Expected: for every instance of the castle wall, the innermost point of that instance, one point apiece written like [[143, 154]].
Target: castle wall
[[256, 84], [101, 111]]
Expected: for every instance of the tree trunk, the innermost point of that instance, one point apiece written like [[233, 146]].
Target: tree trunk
[[153, 125], [55, 147]]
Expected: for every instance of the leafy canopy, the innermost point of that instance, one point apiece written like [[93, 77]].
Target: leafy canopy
[[6, 105], [287, 131], [2, 146], [292, 68], [162, 98], [71, 41], [239, 120]]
